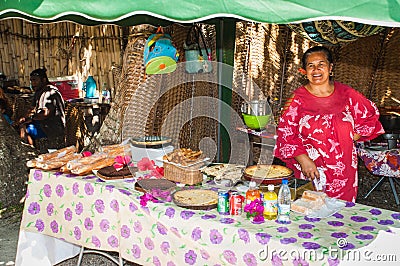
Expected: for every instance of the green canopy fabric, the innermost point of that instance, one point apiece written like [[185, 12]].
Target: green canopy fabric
[[133, 12]]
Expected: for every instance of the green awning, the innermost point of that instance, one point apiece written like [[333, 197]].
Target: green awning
[[132, 12]]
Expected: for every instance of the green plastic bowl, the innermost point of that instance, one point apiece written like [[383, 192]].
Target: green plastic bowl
[[256, 122]]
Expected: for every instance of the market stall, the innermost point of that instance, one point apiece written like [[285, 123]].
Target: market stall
[[86, 211]]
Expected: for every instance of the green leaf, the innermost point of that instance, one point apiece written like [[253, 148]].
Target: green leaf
[[29, 224], [238, 224], [62, 206]]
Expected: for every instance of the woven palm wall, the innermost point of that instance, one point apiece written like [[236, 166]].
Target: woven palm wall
[[63, 48], [163, 105], [270, 55]]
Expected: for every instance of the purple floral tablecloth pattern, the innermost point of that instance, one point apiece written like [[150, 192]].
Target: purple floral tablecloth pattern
[[86, 211]]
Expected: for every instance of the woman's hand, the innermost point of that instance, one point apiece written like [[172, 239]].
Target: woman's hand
[[308, 167], [356, 137]]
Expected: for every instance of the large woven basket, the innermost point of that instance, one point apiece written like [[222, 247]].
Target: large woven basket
[[188, 175]]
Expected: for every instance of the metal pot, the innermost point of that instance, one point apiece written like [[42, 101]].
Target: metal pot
[[390, 122], [256, 107]]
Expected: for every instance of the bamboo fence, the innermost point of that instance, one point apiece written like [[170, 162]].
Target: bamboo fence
[[63, 48]]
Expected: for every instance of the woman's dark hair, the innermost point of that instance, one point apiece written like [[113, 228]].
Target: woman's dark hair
[[316, 49], [41, 73]]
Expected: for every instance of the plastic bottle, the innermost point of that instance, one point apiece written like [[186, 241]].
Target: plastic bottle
[[105, 94], [90, 87], [252, 193], [284, 199], [270, 203]]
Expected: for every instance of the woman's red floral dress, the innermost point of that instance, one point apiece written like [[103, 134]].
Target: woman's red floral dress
[[323, 127]]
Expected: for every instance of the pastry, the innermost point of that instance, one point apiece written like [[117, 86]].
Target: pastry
[[195, 197], [184, 156], [268, 171], [231, 172], [162, 184], [309, 202], [110, 173], [314, 195], [57, 154], [84, 169]]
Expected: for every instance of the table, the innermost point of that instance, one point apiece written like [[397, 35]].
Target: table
[[383, 163], [72, 211]]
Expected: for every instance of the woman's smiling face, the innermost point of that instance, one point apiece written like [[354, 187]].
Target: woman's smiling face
[[318, 68]]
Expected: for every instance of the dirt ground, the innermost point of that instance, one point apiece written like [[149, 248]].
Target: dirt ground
[[10, 221]]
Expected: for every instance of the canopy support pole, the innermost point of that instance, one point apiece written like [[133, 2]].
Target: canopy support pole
[[226, 34]]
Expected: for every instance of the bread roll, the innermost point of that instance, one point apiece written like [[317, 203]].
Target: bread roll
[[31, 163], [55, 164], [314, 195], [56, 154], [86, 160], [85, 169]]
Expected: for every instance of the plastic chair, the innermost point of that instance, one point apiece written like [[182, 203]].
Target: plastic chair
[[384, 164]]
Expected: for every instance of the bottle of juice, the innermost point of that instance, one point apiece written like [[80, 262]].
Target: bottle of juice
[[270, 203], [252, 193]]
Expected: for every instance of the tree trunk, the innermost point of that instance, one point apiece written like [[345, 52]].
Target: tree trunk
[[13, 170]]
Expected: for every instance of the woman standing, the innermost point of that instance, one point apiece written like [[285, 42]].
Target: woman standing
[[319, 125]]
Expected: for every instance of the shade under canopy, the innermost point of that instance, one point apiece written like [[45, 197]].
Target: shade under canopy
[[133, 12]]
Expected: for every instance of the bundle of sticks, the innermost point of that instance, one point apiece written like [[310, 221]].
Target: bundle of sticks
[[67, 160]]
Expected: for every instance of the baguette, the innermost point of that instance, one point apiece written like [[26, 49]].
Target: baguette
[[88, 168], [86, 160], [32, 163], [57, 154], [50, 165], [64, 169]]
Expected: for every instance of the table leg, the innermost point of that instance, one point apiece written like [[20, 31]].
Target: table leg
[[392, 185], [377, 184]]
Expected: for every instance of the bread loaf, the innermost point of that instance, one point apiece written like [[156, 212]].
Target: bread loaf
[[86, 160], [314, 195], [310, 201], [55, 164], [31, 163], [57, 154], [85, 169]]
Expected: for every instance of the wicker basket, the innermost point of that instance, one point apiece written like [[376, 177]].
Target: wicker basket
[[188, 175]]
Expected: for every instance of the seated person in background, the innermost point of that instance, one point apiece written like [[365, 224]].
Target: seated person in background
[[47, 117], [6, 110]]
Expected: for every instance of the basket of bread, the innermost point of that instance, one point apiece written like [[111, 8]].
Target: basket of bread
[[183, 166]]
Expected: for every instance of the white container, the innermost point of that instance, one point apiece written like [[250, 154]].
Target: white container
[[153, 154]]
